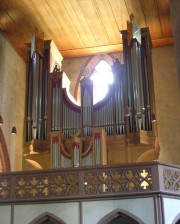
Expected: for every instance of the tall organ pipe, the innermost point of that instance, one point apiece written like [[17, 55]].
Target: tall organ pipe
[[29, 100], [40, 100], [87, 106], [35, 91], [45, 92]]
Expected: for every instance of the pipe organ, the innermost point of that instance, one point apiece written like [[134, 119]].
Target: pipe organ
[[139, 81], [79, 135], [37, 95]]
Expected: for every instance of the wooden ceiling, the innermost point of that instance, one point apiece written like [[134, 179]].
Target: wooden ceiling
[[82, 27]]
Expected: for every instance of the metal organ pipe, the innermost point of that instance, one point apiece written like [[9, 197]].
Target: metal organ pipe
[[147, 91], [64, 118], [45, 94], [59, 109], [53, 108], [35, 82], [29, 85], [40, 100], [122, 130], [86, 106], [70, 117], [137, 73], [56, 108]]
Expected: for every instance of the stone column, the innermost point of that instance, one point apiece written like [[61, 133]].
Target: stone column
[[175, 16]]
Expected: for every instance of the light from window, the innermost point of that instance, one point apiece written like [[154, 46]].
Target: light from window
[[102, 77]]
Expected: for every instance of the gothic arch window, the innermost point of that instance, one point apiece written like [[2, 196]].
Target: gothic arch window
[[94, 68], [102, 77], [47, 218], [4, 156], [177, 219], [120, 216]]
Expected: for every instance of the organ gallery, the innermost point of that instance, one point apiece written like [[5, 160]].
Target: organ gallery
[[121, 128]]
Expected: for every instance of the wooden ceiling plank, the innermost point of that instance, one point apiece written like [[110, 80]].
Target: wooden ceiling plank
[[19, 26], [152, 18], [35, 18], [65, 23], [108, 20], [120, 13], [9, 30], [79, 21], [135, 8], [53, 23], [164, 14], [44, 21], [95, 25], [4, 19]]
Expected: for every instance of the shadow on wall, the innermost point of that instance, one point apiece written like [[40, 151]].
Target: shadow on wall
[[120, 216], [4, 156], [47, 218]]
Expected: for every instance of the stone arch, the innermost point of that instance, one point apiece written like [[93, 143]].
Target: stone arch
[[112, 216], [89, 66], [4, 156], [45, 217], [177, 219]]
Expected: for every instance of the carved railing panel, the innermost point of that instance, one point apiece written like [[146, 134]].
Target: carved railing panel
[[46, 186], [102, 181], [5, 187], [118, 180], [171, 179]]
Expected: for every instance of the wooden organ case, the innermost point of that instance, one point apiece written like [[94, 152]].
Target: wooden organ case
[[118, 129]]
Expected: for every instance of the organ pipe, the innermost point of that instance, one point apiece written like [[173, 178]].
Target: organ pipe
[[29, 100], [87, 106], [35, 82], [37, 95], [138, 71]]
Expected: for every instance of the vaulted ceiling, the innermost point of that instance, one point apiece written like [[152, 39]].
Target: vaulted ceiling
[[82, 27]]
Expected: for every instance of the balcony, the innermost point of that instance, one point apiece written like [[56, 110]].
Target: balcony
[[90, 182]]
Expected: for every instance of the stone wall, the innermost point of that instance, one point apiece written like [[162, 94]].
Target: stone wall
[[84, 212], [167, 97], [12, 100]]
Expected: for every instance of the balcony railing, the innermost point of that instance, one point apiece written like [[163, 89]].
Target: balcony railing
[[90, 182]]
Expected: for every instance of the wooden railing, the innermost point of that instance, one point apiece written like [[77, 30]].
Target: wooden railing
[[91, 182]]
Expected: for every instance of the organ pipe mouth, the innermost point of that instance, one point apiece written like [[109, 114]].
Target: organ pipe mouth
[[127, 111], [139, 115], [153, 118]]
